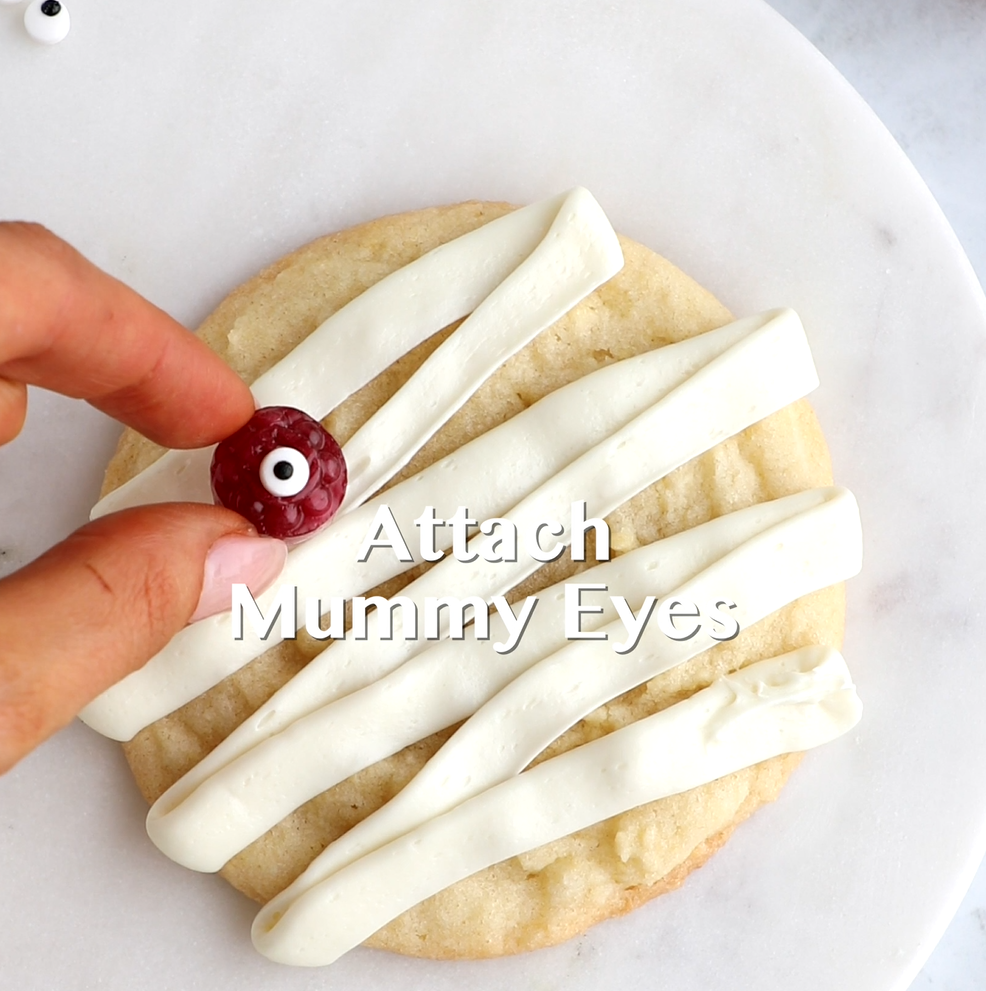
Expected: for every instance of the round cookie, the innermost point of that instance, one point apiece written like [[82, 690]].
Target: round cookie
[[558, 890]]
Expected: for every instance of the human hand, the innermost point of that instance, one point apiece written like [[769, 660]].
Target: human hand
[[100, 604]]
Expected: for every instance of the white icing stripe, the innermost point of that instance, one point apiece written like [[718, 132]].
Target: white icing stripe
[[360, 340], [785, 704], [810, 550], [579, 253], [763, 372], [499, 468], [218, 809], [487, 475]]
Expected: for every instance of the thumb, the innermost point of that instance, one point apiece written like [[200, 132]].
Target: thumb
[[103, 602]]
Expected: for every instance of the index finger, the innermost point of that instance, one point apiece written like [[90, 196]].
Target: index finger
[[67, 326]]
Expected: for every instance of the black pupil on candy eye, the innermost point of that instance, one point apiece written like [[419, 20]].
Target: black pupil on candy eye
[[283, 470], [50, 8]]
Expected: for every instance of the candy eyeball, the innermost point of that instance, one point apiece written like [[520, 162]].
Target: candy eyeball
[[283, 471], [47, 21]]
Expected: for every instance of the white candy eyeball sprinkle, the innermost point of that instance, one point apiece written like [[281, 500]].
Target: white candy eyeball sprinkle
[[284, 472], [47, 21]]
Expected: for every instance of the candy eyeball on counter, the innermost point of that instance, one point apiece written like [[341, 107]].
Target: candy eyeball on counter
[[283, 471], [47, 21]]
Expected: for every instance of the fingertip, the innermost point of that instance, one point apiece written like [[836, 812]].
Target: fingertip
[[83, 333], [252, 561], [13, 409], [227, 403], [190, 397]]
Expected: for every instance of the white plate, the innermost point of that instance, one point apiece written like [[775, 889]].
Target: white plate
[[183, 145]]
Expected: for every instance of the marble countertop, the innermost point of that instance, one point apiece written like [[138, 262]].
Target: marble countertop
[[922, 67], [917, 63]]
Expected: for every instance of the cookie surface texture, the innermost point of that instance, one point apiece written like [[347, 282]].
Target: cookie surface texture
[[559, 890]]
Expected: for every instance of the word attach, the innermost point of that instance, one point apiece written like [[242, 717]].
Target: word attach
[[502, 540]]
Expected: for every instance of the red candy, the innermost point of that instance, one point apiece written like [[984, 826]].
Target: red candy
[[283, 471]]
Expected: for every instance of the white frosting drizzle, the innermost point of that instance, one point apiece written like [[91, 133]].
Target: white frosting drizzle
[[816, 548], [578, 254], [360, 340], [203, 822], [784, 704], [490, 474], [765, 370], [768, 367]]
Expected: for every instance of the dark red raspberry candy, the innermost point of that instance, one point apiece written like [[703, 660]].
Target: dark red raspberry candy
[[283, 471]]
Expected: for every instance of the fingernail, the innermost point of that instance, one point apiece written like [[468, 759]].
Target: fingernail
[[254, 561]]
